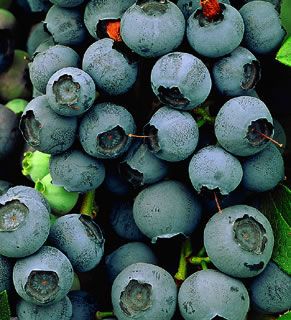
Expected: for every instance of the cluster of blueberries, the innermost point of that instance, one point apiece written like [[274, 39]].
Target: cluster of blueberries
[[84, 58]]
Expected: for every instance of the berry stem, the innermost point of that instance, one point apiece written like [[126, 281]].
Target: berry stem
[[210, 8], [102, 315], [204, 265], [186, 251], [204, 116], [217, 202], [137, 136], [88, 207], [198, 260], [269, 138]]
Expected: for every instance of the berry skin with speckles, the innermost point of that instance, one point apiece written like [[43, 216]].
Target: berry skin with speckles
[[210, 294], [172, 134], [144, 291], [70, 92], [229, 22], [104, 129], [239, 241], [45, 130], [180, 80], [147, 27], [240, 123], [43, 278]]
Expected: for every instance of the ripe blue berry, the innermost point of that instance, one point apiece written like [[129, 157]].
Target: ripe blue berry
[[140, 166], [236, 73], [210, 294], [166, 209], [43, 278], [45, 130], [270, 290], [264, 170], [47, 62], [70, 91], [76, 171], [122, 222], [66, 25], [99, 13], [104, 129], [147, 27], [111, 69], [61, 310], [180, 80], [144, 291], [263, 30], [229, 23], [127, 254], [80, 239], [212, 167], [239, 241], [240, 123], [36, 36], [24, 222], [173, 134], [67, 3]]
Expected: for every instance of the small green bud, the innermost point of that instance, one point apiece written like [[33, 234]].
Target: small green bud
[[17, 105], [60, 200], [35, 165]]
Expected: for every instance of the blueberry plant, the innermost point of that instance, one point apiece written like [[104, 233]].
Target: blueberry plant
[[145, 159]]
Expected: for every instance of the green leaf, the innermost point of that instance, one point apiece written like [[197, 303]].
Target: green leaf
[[285, 15], [284, 53], [276, 205], [5, 313], [285, 316]]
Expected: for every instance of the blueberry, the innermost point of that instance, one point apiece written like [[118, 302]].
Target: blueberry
[[173, 134], [24, 222], [127, 254], [270, 290], [212, 167], [122, 222], [67, 3], [4, 186], [9, 132], [180, 80], [47, 62], [66, 25], [97, 13], [229, 23], [111, 69], [70, 91], [210, 294], [80, 239], [147, 27], [6, 267], [84, 305], [36, 36], [61, 310], [240, 123], [264, 170], [104, 129], [166, 209], [76, 171], [239, 241], [236, 73], [263, 30], [144, 291], [44, 277], [140, 166], [45, 130]]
